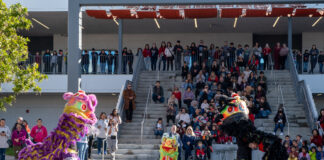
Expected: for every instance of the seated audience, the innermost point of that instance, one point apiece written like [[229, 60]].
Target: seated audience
[[158, 93]]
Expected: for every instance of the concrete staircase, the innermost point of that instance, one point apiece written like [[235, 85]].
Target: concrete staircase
[[295, 112], [129, 143]]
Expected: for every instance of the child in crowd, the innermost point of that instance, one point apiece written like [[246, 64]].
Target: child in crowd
[[312, 153], [197, 132], [159, 128], [303, 155], [200, 151]]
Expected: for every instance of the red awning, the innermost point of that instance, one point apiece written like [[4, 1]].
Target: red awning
[[122, 14], [276, 12], [146, 14], [231, 12], [100, 14], [256, 12], [201, 13], [302, 12], [170, 13]]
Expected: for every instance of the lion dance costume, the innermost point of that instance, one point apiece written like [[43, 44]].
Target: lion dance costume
[[235, 122], [78, 112], [169, 147]]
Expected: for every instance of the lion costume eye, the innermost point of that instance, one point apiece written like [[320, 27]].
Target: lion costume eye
[[84, 107], [230, 109]]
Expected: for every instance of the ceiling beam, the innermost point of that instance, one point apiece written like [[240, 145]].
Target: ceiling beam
[[187, 2]]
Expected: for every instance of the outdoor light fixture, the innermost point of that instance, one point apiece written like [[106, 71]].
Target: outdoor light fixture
[[196, 25], [157, 23], [116, 21], [275, 23], [317, 21], [235, 21], [40, 23]]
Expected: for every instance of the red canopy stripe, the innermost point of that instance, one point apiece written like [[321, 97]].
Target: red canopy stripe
[[122, 13], [201, 13], [302, 12], [231, 12], [170, 13], [146, 14], [276, 12], [100, 14], [256, 13]]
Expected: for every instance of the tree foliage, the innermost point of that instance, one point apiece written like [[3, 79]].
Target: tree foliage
[[13, 51]]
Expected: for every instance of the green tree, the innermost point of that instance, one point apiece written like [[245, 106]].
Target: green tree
[[13, 51]]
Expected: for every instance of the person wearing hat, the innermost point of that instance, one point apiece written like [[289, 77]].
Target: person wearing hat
[[178, 50]]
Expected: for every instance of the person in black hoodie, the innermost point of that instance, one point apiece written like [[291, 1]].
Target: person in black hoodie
[[94, 56], [47, 61], [194, 52], [85, 62], [154, 57], [184, 71], [103, 57], [116, 57], [130, 61], [321, 61], [306, 60], [178, 50], [314, 55], [264, 108], [280, 120], [299, 58], [124, 59], [194, 69], [110, 59]]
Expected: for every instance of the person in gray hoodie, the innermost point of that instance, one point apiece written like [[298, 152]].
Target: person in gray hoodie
[[4, 137]]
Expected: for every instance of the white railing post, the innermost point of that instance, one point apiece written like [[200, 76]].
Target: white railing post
[[145, 112]]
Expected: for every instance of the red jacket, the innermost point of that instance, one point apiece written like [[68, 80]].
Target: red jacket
[[317, 140], [213, 80], [161, 51], [266, 51], [177, 95], [254, 62], [147, 53], [38, 133]]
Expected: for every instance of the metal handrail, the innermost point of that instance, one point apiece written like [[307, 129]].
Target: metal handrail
[[145, 113], [303, 94]]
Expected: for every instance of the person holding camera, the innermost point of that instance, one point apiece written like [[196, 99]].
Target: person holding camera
[[112, 136], [4, 137], [280, 121]]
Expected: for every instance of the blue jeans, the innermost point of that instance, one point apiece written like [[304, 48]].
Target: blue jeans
[[320, 67], [147, 62], [82, 150], [263, 114], [85, 68], [158, 132], [279, 125], [100, 142], [187, 151], [103, 67], [155, 98], [305, 66], [2, 153]]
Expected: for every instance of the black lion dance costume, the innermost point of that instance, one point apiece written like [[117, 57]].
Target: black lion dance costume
[[235, 122]]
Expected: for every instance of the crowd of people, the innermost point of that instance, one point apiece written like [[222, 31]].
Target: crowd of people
[[312, 56]]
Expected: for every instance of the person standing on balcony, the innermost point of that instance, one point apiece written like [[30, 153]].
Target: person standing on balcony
[[299, 59], [266, 53], [116, 57], [47, 61], [321, 61], [103, 57], [60, 61], [276, 51], [110, 59], [147, 56], [178, 51], [54, 62], [314, 54], [94, 56], [158, 93], [124, 59], [154, 56], [130, 60], [38, 60], [306, 60], [129, 102], [85, 62], [169, 56], [162, 57]]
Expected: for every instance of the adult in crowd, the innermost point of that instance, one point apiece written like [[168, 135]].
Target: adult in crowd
[[94, 57], [162, 57], [124, 59], [54, 62], [306, 60], [313, 54], [188, 142], [38, 132], [25, 124], [276, 55], [178, 51], [115, 116], [102, 127], [158, 94], [183, 116], [85, 62], [147, 56], [92, 132], [266, 53], [280, 121], [299, 59], [18, 139], [47, 61], [116, 57], [169, 56], [154, 57], [316, 139], [184, 70], [177, 93], [129, 103], [264, 108], [130, 61], [321, 61], [102, 58], [112, 136], [110, 60], [188, 96], [171, 113], [283, 55], [82, 147], [320, 119], [4, 137], [60, 57]]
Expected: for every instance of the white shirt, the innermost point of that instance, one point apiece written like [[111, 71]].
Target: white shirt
[[113, 131], [204, 106], [4, 139], [103, 124], [184, 117], [116, 118]]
